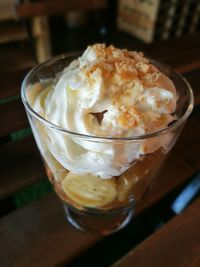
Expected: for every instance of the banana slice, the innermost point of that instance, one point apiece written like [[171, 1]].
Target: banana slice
[[137, 179], [89, 190]]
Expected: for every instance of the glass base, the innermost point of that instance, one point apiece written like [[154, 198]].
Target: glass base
[[102, 223]]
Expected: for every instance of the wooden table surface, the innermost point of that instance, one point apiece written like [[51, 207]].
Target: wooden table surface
[[38, 234], [177, 244]]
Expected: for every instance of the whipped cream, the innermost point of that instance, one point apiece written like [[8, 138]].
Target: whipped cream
[[107, 92]]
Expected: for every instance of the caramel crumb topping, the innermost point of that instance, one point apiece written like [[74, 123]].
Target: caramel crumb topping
[[125, 74], [129, 117]]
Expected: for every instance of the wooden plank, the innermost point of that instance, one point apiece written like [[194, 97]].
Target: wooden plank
[[174, 46], [12, 31], [20, 166], [184, 63], [46, 8], [177, 244], [39, 235], [47, 227], [11, 87], [188, 145], [15, 58], [174, 173], [12, 117], [182, 53], [194, 80]]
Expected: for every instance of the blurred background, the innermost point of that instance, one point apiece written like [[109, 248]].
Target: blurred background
[[32, 31]]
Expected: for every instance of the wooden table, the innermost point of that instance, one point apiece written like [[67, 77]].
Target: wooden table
[[177, 244], [38, 234]]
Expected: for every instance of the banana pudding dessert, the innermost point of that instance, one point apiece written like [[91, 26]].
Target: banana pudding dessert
[[102, 110]]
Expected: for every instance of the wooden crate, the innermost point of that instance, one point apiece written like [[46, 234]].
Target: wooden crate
[[158, 20]]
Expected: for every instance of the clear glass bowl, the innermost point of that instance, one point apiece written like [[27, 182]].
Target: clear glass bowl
[[74, 160]]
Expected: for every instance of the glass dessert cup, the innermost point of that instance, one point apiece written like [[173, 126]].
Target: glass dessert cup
[[73, 160]]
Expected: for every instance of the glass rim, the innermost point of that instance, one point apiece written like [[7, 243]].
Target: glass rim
[[169, 128]]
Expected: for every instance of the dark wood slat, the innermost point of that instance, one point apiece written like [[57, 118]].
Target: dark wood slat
[[12, 117], [174, 47], [182, 53], [12, 31], [20, 166], [47, 227], [11, 87], [179, 54], [177, 244], [45, 8], [183, 62], [174, 44], [174, 173], [188, 145], [194, 80], [16, 58], [157, 48], [38, 235]]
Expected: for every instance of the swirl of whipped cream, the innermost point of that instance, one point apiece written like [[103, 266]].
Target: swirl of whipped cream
[[107, 92]]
